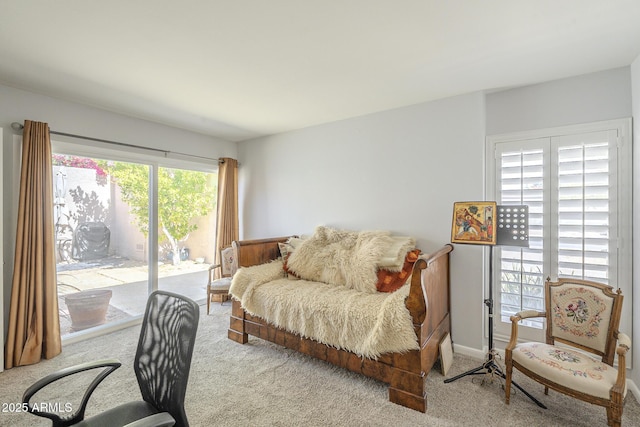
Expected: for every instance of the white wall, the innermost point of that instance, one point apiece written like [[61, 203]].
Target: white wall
[[635, 301], [582, 99], [17, 105], [399, 170], [403, 169]]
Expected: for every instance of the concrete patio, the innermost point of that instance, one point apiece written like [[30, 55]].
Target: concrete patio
[[128, 281]]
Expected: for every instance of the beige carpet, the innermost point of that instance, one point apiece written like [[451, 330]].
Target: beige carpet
[[261, 384]]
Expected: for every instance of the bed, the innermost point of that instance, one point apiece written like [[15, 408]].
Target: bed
[[424, 298]]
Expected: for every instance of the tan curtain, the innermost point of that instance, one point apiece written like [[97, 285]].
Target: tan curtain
[[227, 221], [34, 325]]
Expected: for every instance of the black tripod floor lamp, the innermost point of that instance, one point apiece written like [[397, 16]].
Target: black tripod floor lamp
[[489, 224]]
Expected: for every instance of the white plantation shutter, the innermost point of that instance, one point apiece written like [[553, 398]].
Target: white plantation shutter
[[571, 183], [521, 270], [586, 206]]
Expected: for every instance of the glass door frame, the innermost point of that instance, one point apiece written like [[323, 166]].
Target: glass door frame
[[103, 150]]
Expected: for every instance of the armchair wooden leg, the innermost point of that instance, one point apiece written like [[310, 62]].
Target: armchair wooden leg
[[614, 410], [507, 381], [614, 417], [208, 301]]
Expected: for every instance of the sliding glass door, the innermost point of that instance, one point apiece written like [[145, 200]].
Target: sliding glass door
[[186, 230], [116, 242], [101, 248]]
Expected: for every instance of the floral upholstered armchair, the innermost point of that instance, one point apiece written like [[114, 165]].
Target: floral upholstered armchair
[[228, 266], [584, 315]]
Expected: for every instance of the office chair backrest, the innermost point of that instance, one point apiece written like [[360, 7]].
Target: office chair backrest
[[165, 347]]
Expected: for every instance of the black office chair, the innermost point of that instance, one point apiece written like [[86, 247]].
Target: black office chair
[[161, 365]]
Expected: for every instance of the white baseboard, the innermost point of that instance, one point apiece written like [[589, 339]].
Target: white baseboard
[[480, 355], [468, 351], [633, 388]]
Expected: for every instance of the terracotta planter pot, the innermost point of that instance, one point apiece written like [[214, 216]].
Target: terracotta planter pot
[[88, 308]]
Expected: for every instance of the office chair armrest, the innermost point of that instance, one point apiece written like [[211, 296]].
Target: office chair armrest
[[110, 365], [162, 419]]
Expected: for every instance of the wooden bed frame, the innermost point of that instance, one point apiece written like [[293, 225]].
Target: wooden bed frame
[[406, 373]]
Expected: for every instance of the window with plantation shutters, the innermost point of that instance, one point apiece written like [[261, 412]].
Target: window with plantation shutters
[[577, 184], [521, 270], [586, 205]]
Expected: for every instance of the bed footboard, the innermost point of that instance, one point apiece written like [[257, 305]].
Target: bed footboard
[[429, 305], [406, 373]]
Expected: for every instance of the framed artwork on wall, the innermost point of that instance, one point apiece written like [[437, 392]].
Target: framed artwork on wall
[[474, 223]]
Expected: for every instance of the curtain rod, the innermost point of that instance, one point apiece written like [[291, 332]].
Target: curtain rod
[[18, 127]]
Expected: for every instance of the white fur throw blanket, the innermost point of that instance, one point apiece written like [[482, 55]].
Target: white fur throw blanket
[[348, 258], [364, 323]]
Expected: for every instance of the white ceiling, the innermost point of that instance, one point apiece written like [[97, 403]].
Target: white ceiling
[[238, 69]]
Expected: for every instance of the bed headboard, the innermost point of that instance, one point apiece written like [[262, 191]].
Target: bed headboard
[[254, 252]]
